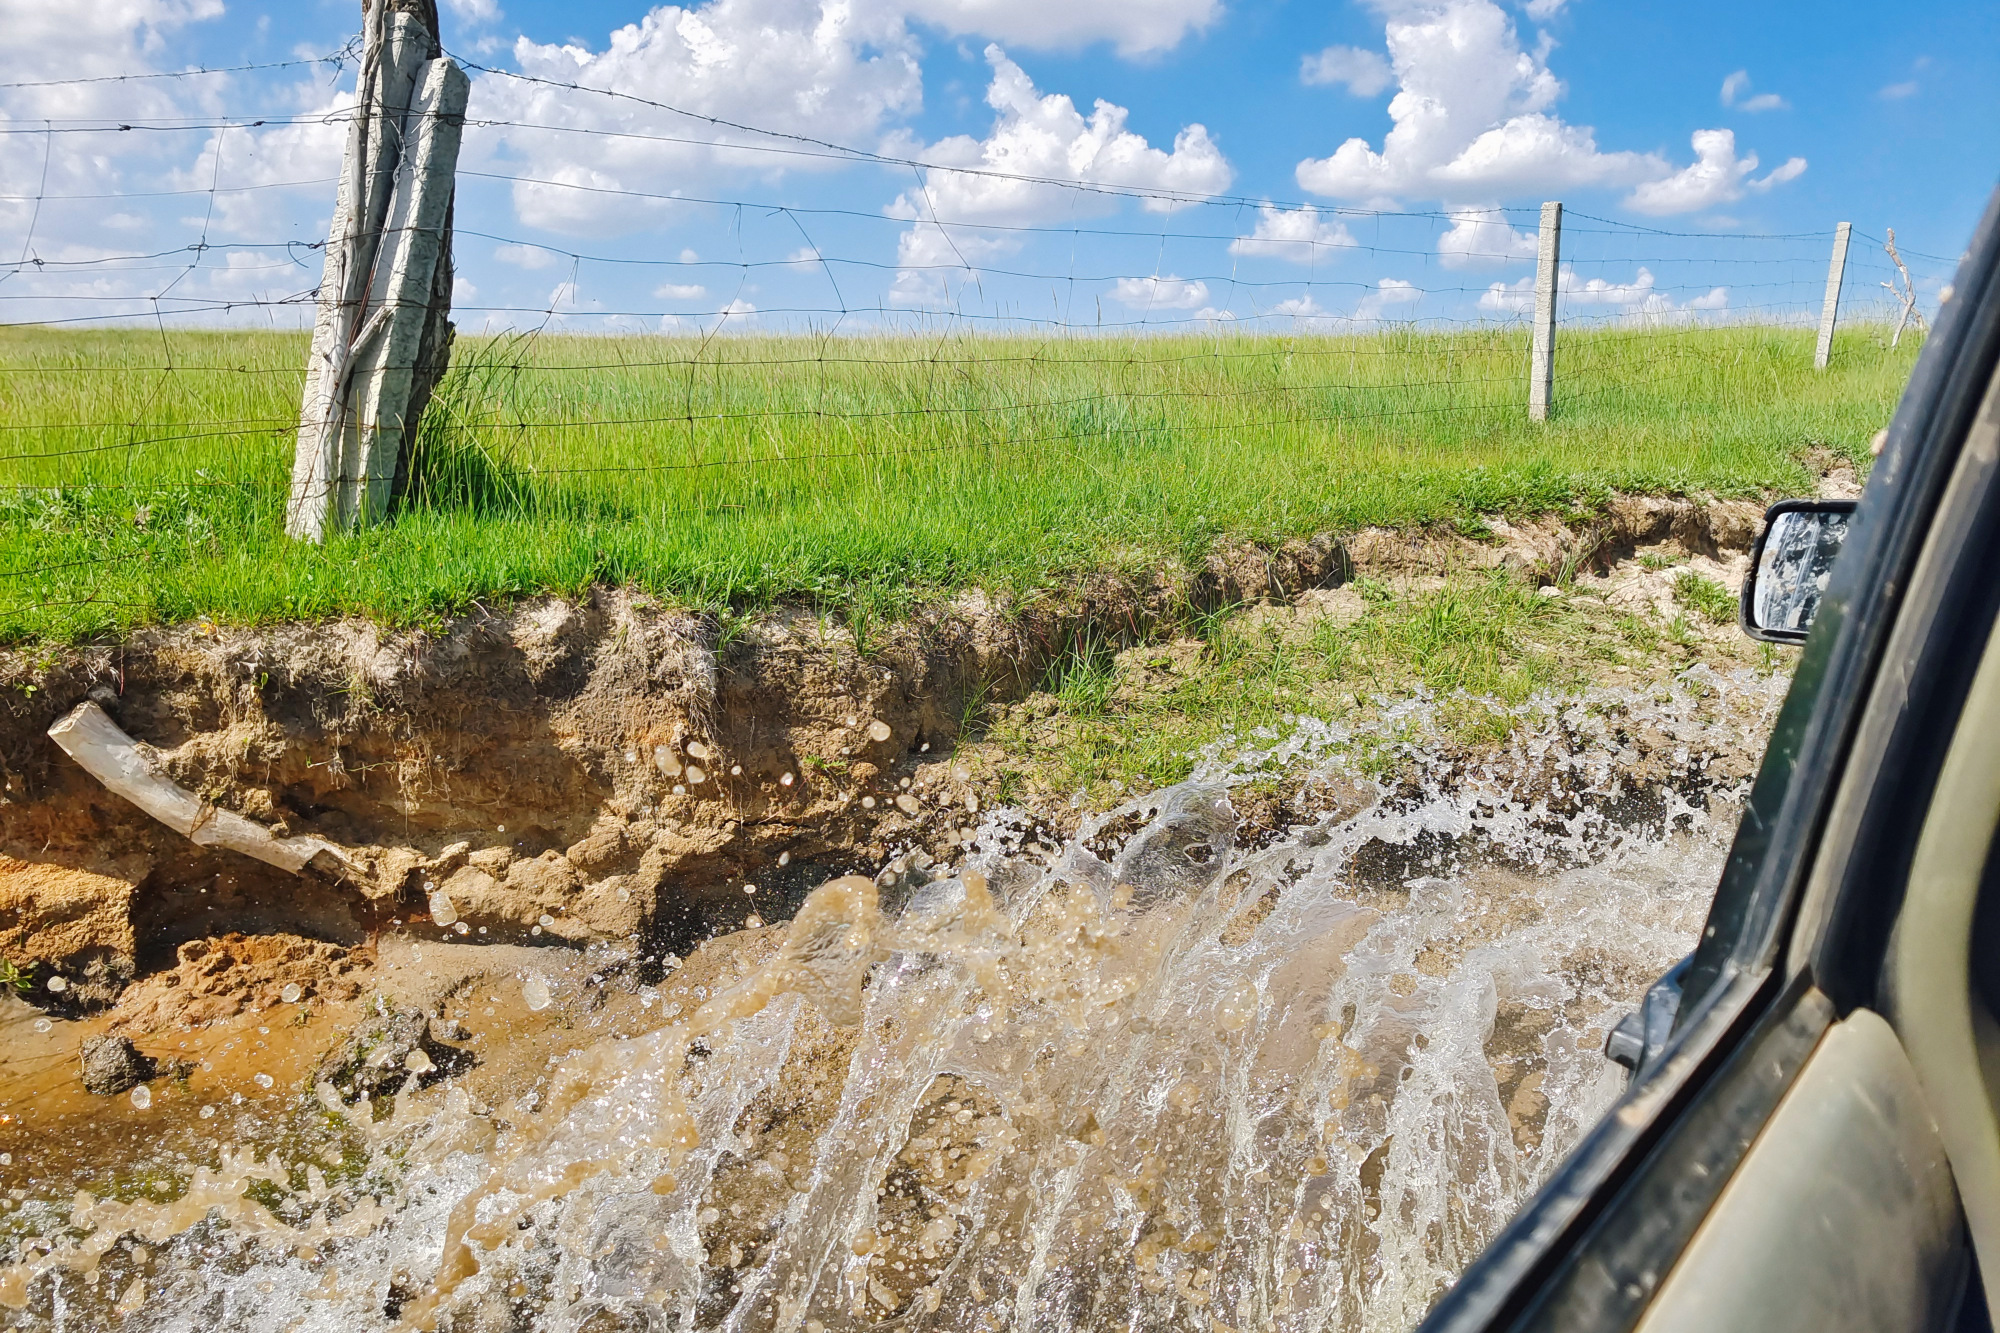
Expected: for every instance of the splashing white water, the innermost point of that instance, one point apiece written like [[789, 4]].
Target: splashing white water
[[1169, 1075]]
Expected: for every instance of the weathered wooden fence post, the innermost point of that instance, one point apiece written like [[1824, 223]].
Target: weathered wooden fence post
[[1542, 357], [1831, 307], [383, 334]]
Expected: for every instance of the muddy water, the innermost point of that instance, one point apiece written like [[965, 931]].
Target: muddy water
[[1164, 1075]]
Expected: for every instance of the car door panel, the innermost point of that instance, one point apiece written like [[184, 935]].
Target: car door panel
[[1842, 1216]]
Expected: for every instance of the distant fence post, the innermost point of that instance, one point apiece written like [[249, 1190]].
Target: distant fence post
[[382, 337], [1831, 307], [1542, 359]]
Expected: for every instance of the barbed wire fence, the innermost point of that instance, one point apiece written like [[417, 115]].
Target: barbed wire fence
[[154, 395]]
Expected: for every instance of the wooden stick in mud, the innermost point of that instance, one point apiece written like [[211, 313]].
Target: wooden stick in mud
[[88, 735]]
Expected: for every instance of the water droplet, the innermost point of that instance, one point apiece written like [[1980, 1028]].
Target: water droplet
[[786, 780], [750, 888], [535, 992], [208, 1113], [736, 770], [631, 756], [443, 910], [534, 930], [6, 1159], [43, 1025], [679, 790], [868, 803], [545, 921], [461, 928], [753, 921], [263, 1080], [695, 776], [971, 804], [878, 731], [501, 829], [907, 804], [57, 985], [418, 1063], [784, 858], [142, 1096]]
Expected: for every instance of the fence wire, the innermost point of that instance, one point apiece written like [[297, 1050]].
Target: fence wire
[[152, 394]]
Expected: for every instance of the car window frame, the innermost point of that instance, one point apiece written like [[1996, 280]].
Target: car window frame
[[1736, 997]]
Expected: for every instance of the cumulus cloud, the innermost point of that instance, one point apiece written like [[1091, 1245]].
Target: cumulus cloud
[[1167, 293], [1373, 308], [526, 256], [1300, 235], [1038, 142], [1133, 27], [825, 68], [1362, 73], [1473, 118], [49, 42], [1738, 84], [1638, 297], [1483, 238], [475, 12], [1717, 176]]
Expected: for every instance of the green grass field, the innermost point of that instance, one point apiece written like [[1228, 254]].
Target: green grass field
[[144, 472]]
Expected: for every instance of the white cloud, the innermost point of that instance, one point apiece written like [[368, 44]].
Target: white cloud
[[477, 12], [1737, 84], [1483, 238], [1134, 27], [49, 42], [1717, 176], [1896, 92], [1637, 298], [1038, 141], [680, 291], [825, 68], [1474, 119], [1371, 309], [529, 257], [1362, 73], [1471, 118], [1167, 293], [1300, 235], [1541, 11]]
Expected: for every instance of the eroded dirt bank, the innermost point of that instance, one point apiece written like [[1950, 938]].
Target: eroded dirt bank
[[604, 771]]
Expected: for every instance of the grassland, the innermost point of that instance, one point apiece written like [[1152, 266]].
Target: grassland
[[143, 473]]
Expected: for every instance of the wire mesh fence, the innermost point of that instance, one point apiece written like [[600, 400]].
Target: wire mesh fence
[[897, 394]]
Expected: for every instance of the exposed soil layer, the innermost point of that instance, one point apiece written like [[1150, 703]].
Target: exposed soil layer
[[574, 773]]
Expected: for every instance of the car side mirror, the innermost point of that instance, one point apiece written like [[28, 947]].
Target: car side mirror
[[1789, 566]]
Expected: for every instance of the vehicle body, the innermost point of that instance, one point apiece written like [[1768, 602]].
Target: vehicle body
[[1811, 1137]]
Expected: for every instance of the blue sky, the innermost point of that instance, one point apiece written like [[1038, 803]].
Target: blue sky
[[1331, 165]]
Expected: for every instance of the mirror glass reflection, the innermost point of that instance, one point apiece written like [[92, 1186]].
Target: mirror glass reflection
[[1791, 574]]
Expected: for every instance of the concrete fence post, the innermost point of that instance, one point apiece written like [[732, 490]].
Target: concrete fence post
[[1542, 357], [1830, 308], [382, 337]]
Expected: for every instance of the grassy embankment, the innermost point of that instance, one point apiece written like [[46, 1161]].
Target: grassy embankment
[[861, 474], [854, 472]]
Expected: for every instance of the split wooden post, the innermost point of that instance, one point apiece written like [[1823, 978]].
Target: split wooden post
[[1830, 308], [1542, 357], [383, 335]]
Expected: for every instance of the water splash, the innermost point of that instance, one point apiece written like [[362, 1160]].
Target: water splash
[[1173, 1072]]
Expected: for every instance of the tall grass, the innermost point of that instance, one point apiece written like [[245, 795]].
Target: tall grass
[[733, 471]]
